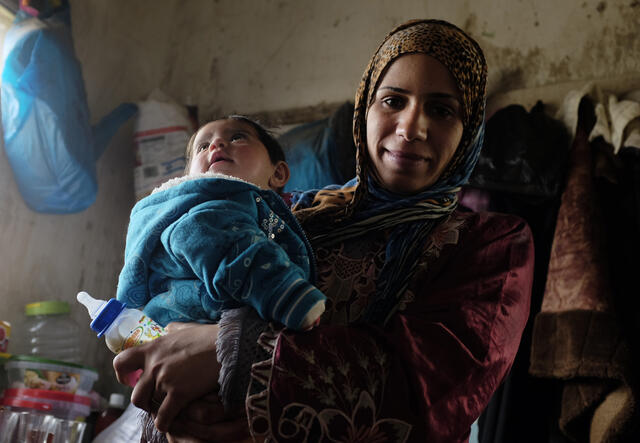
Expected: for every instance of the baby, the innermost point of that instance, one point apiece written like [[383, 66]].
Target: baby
[[221, 237]]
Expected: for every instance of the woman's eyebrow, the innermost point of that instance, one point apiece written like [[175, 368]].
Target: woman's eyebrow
[[394, 89]]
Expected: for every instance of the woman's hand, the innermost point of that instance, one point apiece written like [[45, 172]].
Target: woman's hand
[[178, 368], [195, 423]]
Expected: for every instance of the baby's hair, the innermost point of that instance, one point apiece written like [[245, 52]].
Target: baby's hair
[[276, 153]]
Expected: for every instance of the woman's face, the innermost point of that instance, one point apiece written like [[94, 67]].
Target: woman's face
[[413, 124]]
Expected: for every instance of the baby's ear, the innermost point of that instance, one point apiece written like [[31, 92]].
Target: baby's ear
[[280, 175]]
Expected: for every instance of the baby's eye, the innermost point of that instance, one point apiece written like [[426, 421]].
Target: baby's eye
[[238, 136], [202, 147], [393, 101]]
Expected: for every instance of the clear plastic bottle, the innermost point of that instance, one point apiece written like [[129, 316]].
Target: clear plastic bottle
[[122, 327], [50, 332]]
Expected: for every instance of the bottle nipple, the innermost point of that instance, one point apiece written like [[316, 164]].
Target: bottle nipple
[[93, 306]]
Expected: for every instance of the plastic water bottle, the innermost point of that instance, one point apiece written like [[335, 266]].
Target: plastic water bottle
[[50, 332], [122, 327]]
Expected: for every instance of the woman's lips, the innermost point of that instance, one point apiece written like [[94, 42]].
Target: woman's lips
[[404, 158]]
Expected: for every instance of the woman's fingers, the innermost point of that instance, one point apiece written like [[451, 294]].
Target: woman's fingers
[[127, 362], [142, 392], [168, 410], [228, 431], [208, 409], [171, 438], [204, 420]]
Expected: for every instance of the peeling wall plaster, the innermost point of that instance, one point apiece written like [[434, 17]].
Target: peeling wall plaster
[[592, 40], [242, 55]]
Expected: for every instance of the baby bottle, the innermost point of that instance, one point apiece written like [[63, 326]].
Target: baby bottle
[[122, 327]]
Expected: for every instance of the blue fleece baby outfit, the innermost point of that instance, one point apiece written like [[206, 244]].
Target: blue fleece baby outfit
[[201, 245]]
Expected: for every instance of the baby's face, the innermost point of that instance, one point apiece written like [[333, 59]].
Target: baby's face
[[231, 147]]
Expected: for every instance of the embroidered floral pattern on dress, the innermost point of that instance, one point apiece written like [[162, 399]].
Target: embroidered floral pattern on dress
[[346, 396], [447, 233], [362, 425], [348, 273]]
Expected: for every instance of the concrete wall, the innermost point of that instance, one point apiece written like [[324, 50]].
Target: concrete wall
[[250, 56]]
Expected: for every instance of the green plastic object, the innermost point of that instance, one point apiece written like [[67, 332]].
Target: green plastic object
[[49, 307], [46, 361]]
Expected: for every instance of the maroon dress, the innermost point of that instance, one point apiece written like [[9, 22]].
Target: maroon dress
[[430, 371]]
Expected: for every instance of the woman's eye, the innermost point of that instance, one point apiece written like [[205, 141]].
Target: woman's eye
[[393, 102], [439, 110]]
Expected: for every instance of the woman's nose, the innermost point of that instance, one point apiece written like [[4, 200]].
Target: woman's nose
[[412, 124]]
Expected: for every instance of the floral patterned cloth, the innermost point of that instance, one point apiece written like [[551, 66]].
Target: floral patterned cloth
[[429, 373]]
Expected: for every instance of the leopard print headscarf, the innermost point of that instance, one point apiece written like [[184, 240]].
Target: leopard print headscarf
[[464, 59], [448, 44]]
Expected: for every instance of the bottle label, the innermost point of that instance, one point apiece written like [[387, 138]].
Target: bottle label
[[146, 330]]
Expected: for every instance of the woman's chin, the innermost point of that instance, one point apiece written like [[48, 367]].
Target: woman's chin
[[404, 184], [401, 187]]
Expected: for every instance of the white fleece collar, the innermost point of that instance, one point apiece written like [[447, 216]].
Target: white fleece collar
[[185, 178]]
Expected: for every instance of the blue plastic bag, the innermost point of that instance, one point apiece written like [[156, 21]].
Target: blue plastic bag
[[49, 141], [322, 152]]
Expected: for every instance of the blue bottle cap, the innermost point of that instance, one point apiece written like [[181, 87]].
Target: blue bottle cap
[[111, 310]]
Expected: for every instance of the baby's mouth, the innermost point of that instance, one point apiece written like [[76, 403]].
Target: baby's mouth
[[218, 157]]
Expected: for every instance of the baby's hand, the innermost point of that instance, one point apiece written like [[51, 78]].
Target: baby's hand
[[312, 318]]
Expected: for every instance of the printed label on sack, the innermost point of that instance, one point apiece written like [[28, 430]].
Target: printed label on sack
[[159, 157]]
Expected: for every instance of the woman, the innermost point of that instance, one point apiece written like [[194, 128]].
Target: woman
[[426, 302]]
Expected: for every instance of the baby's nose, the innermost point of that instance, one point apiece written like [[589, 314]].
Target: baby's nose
[[217, 142]]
